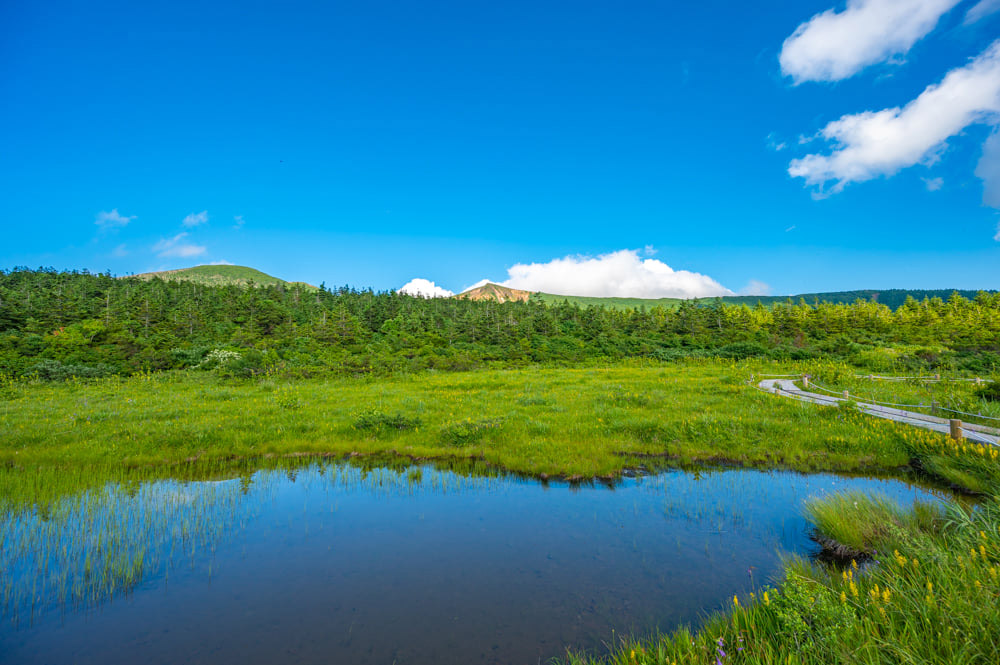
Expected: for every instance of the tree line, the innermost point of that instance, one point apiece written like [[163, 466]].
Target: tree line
[[56, 324]]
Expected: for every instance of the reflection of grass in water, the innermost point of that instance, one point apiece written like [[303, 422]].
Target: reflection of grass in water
[[88, 547]]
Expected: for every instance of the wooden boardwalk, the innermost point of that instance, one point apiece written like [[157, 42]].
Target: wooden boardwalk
[[974, 433]]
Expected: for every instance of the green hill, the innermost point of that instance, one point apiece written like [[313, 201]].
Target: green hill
[[222, 275]]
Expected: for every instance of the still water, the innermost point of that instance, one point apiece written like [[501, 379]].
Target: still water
[[332, 564]]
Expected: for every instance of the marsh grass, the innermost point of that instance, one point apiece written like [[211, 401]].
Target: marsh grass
[[585, 422]]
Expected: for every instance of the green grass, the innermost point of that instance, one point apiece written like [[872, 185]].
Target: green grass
[[572, 423], [589, 422]]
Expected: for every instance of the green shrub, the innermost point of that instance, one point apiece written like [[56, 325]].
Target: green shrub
[[377, 422], [466, 432], [990, 391], [53, 370]]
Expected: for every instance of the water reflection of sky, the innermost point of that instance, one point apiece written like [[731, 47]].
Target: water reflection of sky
[[330, 564]]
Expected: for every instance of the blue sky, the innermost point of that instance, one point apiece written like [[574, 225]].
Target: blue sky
[[370, 143]]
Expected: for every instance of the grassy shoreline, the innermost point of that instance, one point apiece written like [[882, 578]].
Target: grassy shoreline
[[557, 423]]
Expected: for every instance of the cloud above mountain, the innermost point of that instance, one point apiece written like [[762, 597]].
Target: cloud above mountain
[[424, 288], [622, 274]]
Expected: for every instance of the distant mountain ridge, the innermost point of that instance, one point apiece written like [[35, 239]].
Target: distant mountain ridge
[[221, 275], [892, 298]]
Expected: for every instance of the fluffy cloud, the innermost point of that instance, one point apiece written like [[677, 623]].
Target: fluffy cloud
[[933, 184], [112, 220], [195, 219], [988, 169], [618, 274], [756, 288], [221, 262], [177, 247], [424, 288], [836, 45], [981, 9], [997, 236], [880, 143], [238, 222]]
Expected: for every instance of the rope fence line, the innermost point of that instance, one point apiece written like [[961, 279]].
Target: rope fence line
[[813, 383], [914, 419], [930, 379], [971, 415], [874, 401]]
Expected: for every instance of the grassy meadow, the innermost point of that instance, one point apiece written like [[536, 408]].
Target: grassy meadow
[[570, 423]]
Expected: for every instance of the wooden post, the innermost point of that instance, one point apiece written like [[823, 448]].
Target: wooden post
[[937, 377], [956, 429], [934, 407], [847, 395], [805, 380], [978, 381]]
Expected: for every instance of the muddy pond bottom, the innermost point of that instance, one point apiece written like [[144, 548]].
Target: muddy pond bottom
[[332, 564]]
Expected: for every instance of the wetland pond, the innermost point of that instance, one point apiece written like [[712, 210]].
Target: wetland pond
[[334, 564]]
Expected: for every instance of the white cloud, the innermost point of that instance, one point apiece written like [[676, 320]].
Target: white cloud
[[774, 144], [424, 288], [981, 9], [880, 143], [112, 220], [755, 287], [618, 274], [238, 222], [836, 45], [988, 169], [221, 262], [997, 236], [175, 247], [933, 184], [790, 228], [119, 251], [195, 219]]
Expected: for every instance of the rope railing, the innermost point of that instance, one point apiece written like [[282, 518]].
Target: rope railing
[[873, 401], [932, 379], [957, 426], [971, 415], [813, 383]]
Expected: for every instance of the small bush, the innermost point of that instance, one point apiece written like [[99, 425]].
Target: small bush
[[467, 432], [377, 422], [990, 392], [53, 370]]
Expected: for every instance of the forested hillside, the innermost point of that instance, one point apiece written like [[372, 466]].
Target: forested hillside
[[60, 324]]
